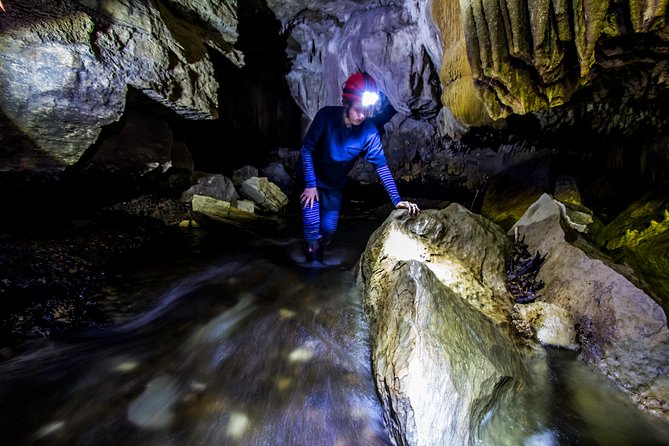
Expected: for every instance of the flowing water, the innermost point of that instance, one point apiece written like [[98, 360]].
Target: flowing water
[[566, 403], [251, 349], [242, 348]]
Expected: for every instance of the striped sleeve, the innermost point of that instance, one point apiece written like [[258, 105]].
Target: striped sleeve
[[308, 168], [389, 183], [309, 143]]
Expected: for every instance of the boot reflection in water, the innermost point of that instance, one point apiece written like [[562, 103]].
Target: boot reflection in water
[[343, 134]]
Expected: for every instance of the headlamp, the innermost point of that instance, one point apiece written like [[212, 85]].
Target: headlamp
[[369, 98]]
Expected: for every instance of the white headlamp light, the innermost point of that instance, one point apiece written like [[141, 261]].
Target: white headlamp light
[[369, 98]]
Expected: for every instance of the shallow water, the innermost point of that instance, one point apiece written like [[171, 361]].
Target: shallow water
[[566, 403], [249, 348]]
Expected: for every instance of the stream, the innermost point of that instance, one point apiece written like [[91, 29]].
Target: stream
[[241, 346]]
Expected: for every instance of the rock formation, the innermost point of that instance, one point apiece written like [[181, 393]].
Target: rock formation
[[445, 67], [65, 68], [397, 43], [443, 350], [473, 89], [520, 56], [449, 345], [620, 329]]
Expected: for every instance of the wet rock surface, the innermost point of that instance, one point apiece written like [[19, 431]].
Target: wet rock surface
[[434, 292], [79, 58], [622, 332]]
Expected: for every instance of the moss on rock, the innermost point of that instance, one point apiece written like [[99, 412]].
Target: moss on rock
[[639, 237]]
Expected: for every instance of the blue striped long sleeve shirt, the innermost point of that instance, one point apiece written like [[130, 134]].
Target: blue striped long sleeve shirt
[[330, 149]]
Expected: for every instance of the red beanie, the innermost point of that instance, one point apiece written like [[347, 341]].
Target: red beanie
[[356, 85]]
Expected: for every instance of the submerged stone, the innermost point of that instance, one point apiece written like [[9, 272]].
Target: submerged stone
[[153, 409]]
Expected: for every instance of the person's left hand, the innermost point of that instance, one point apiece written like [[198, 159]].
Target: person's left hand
[[411, 207]]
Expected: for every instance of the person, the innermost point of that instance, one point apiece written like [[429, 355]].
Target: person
[[337, 136]]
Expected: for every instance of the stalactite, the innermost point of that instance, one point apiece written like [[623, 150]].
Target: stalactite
[[525, 56]]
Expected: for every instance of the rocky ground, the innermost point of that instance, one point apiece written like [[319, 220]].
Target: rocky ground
[[58, 238]]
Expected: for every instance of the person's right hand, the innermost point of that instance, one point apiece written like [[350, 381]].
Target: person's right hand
[[411, 207], [308, 197]]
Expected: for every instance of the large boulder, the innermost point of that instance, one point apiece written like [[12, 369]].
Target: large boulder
[[442, 348], [427, 342], [464, 250], [65, 69], [621, 331]]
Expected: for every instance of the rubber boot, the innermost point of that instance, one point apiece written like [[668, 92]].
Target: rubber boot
[[314, 251]]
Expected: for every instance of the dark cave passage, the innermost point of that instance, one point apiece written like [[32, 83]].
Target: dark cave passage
[[257, 114]]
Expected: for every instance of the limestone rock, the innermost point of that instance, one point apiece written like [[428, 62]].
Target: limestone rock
[[639, 237], [464, 250], [243, 173], [463, 105], [434, 292], [212, 185], [211, 207], [551, 324], [221, 211], [265, 194], [621, 330], [413, 150], [439, 364], [245, 205], [518, 57], [65, 68], [398, 44]]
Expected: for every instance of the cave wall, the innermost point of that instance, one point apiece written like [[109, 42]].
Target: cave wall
[[539, 71], [581, 81], [519, 56], [396, 42], [65, 67]]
